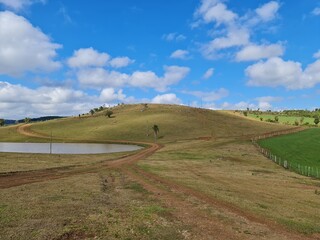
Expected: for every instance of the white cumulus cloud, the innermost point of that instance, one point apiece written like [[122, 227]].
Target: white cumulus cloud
[[256, 52], [208, 74], [180, 54], [268, 11], [278, 72], [24, 47], [18, 101], [102, 78], [174, 37], [18, 5], [215, 11], [232, 31], [236, 37], [172, 75], [88, 57], [120, 62], [169, 98], [110, 95]]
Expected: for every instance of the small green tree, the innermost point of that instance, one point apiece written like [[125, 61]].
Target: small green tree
[[91, 112], [109, 113], [155, 129], [301, 120], [27, 120], [245, 113], [276, 119], [316, 120], [145, 107], [296, 122], [1, 122], [261, 119]]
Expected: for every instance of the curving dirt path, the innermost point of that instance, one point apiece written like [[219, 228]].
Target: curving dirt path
[[179, 198]]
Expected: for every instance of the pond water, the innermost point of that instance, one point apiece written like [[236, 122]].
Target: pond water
[[66, 148]]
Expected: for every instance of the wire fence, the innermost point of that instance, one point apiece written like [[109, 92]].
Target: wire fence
[[286, 163]]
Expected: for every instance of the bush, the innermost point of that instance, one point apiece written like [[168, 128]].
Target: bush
[[109, 113]]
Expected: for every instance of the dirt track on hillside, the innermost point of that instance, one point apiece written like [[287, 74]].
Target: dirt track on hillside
[[179, 198]]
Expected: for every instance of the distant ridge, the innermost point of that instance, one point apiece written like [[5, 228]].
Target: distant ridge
[[39, 119]]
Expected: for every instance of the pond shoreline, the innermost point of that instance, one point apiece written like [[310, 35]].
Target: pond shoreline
[[66, 148]]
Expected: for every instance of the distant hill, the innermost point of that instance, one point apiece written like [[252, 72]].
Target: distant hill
[[135, 122], [39, 119]]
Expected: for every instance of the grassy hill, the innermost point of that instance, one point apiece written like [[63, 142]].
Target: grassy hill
[[134, 122]]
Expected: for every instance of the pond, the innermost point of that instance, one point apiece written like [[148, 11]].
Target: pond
[[66, 148]]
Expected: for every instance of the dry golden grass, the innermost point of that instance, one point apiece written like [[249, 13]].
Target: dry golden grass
[[175, 123], [13, 162], [235, 172], [104, 205]]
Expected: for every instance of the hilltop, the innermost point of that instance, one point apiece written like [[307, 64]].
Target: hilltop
[[134, 122]]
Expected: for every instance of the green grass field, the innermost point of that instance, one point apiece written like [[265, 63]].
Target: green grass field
[[290, 120], [299, 149]]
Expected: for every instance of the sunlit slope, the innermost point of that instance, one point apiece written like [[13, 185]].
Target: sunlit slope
[[134, 122]]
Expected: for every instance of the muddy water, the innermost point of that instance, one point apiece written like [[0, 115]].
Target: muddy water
[[66, 148]]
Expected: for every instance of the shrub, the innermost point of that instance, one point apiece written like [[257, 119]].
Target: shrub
[[109, 113]]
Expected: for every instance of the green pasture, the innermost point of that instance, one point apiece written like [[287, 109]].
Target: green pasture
[[299, 149], [283, 119]]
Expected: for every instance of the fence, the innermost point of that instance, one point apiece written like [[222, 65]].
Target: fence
[[287, 164]]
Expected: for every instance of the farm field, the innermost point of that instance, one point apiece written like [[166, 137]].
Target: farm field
[[203, 179], [283, 119], [299, 149]]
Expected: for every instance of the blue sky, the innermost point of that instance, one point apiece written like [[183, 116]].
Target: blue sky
[[66, 57]]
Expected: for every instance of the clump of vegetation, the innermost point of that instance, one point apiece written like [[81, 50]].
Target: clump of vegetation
[[109, 113], [27, 120], [1, 122], [155, 129], [316, 120], [95, 110], [301, 120], [290, 117], [144, 107]]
